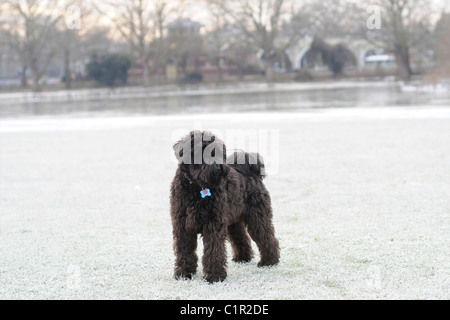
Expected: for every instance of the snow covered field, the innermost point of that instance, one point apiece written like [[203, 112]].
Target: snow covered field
[[361, 204]]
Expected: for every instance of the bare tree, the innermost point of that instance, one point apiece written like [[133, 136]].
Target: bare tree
[[442, 44], [141, 24], [15, 43], [261, 22], [404, 25], [72, 30], [226, 44], [33, 31], [328, 18], [184, 41], [133, 22], [215, 42]]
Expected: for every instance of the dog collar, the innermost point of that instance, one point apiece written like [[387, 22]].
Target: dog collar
[[205, 193]]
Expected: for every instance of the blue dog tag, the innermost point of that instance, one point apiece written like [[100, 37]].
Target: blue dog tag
[[205, 193]]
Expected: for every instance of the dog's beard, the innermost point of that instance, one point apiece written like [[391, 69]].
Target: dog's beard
[[205, 175]]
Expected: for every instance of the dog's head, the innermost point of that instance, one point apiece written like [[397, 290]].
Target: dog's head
[[202, 158]]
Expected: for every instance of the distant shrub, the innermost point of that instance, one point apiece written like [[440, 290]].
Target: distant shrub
[[108, 69], [193, 77], [303, 76]]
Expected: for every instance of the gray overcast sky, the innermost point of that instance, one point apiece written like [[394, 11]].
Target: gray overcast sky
[[197, 9]]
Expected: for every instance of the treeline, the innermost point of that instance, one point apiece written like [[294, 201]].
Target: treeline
[[103, 39]]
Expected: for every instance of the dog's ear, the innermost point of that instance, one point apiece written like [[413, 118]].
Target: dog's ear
[[224, 170], [178, 150]]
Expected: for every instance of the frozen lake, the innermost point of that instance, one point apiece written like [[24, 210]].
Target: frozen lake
[[170, 100]]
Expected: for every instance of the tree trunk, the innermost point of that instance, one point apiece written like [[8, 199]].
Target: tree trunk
[[268, 64], [145, 72], [403, 62], [268, 69], [219, 70], [67, 72], [23, 77], [36, 85], [36, 76], [269, 73]]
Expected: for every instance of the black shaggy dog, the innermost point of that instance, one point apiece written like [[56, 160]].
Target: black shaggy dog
[[219, 198]]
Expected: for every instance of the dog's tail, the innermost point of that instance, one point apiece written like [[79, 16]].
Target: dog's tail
[[247, 163]]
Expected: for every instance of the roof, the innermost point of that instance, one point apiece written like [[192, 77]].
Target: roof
[[379, 58]]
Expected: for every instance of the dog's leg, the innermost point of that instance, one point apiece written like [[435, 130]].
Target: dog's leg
[[214, 254], [261, 230], [185, 245], [240, 242]]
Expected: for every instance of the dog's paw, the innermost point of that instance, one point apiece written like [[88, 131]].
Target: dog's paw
[[215, 278], [263, 264], [241, 259], [183, 276]]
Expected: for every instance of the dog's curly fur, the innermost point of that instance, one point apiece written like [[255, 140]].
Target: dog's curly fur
[[239, 202]]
